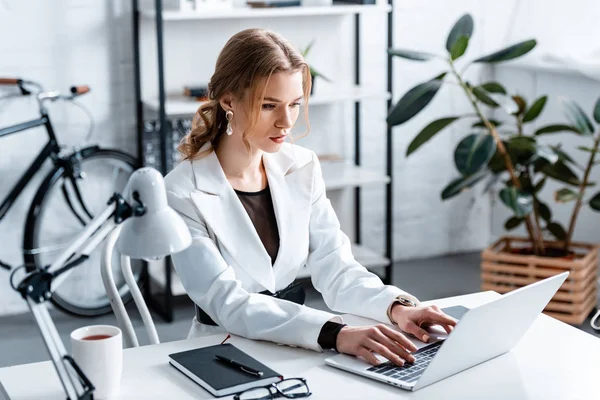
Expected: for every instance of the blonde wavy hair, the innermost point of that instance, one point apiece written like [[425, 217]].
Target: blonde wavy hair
[[244, 66]]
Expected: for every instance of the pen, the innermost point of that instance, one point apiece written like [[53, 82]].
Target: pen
[[245, 368]]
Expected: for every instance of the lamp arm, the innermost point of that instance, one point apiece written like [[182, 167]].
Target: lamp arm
[[139, 300], [116, 303]]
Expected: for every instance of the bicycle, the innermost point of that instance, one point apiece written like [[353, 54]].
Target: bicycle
[[77, 186]]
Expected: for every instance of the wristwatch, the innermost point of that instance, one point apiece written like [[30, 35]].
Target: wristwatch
[[403, 301]]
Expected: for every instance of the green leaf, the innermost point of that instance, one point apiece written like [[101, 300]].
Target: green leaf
[[588, 149], [480, 124], [544, 211], [512, 223], [557, 230], [555, 128], [562, 155], [411, 54], [460, 184], [483, 96], [577, 116], [493, 87], [538, 186], [595, 202], [524, 143], [564, 195], [474, 152], [459, 47], [509, 53], [307, 48], [462, 27], [428, 132], [560, 172], [520, 202], [597, 111], [496, 100], [535, 110], [415, 100]]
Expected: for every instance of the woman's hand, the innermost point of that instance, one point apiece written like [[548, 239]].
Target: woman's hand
[[365, 340], [415, 320]]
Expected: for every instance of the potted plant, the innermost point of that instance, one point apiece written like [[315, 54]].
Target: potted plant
[[313, 72], [510, 156]]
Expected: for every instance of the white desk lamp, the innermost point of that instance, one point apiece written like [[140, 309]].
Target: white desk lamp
[[154, 231]]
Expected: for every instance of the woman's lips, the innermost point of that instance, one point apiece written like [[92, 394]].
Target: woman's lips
[[278, 139]]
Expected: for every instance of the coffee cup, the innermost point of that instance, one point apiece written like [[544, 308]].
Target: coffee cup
[[98, 351]]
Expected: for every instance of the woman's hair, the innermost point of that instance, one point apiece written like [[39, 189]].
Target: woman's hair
[[243, 67]]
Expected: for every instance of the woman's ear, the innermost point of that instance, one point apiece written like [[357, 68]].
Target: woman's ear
[[227, 102]]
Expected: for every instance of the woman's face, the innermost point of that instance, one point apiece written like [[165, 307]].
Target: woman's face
[[278, 112]]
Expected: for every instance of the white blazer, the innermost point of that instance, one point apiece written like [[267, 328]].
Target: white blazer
[[227, 265]]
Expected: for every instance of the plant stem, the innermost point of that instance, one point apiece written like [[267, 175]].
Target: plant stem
[[582, 187], [535, 236]]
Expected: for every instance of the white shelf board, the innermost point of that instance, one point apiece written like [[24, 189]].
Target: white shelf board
[[274, 12], [339, 175], [181, 105], [366, 257]]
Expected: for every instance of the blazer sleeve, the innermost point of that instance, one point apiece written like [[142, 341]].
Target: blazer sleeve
[[346, 286], [213, 286]]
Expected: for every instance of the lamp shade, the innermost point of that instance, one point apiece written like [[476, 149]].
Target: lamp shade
[[160, 231]]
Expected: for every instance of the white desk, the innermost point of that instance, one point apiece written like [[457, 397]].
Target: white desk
[[553, 361]]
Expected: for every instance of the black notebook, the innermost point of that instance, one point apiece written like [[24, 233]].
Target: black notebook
[[221, 379]]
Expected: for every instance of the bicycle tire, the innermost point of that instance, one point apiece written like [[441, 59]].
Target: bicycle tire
[[32, 226]]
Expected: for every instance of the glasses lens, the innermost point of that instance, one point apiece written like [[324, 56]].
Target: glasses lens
[[256, 394], [293, 388]]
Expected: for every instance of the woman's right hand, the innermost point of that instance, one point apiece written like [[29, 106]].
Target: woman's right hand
[[363, 341]]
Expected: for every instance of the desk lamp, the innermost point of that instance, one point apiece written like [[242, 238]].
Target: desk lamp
[[143, 226]]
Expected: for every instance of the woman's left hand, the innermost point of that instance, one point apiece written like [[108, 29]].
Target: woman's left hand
[[415, 320]]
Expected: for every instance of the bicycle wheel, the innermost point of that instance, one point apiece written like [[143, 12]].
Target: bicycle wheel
[[67, 200]]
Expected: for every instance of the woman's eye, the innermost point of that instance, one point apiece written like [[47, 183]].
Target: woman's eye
[[296, 105], [268, 106]]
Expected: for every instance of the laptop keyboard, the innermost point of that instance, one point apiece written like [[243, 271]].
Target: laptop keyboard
[[409, 372]]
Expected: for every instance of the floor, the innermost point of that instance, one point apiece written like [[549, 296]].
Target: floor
[[21, 343]]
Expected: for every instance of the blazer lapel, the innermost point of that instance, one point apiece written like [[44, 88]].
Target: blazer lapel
[[290, 189], [225, 215]]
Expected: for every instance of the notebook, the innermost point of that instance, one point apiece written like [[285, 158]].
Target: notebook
[[220, 379]]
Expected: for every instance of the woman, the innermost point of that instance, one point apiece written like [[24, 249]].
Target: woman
[[258, 212]]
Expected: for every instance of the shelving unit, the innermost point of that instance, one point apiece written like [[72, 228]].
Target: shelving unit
[[337, 175]]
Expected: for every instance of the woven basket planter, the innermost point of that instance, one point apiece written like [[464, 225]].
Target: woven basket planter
[[504, 270]]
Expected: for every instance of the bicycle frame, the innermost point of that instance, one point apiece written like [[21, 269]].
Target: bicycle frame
[[50, 150]]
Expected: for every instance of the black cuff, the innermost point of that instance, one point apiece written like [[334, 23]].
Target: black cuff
[[328, 335]]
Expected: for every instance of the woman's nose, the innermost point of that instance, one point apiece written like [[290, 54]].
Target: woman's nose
[[285, 120]]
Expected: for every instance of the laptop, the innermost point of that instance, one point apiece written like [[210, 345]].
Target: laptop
[[487, 331]]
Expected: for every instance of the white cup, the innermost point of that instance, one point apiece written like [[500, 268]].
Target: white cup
[[98, 351]]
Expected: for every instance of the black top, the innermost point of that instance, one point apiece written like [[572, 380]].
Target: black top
[[259, 206]]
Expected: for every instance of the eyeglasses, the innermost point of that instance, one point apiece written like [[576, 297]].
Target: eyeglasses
[[291, 388]]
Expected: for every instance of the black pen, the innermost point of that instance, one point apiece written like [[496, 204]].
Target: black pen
[[245, 368]]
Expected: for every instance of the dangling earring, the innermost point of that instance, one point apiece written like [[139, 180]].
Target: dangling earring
[[229, 116]]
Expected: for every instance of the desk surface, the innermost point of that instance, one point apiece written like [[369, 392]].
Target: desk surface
[[552, 361]]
